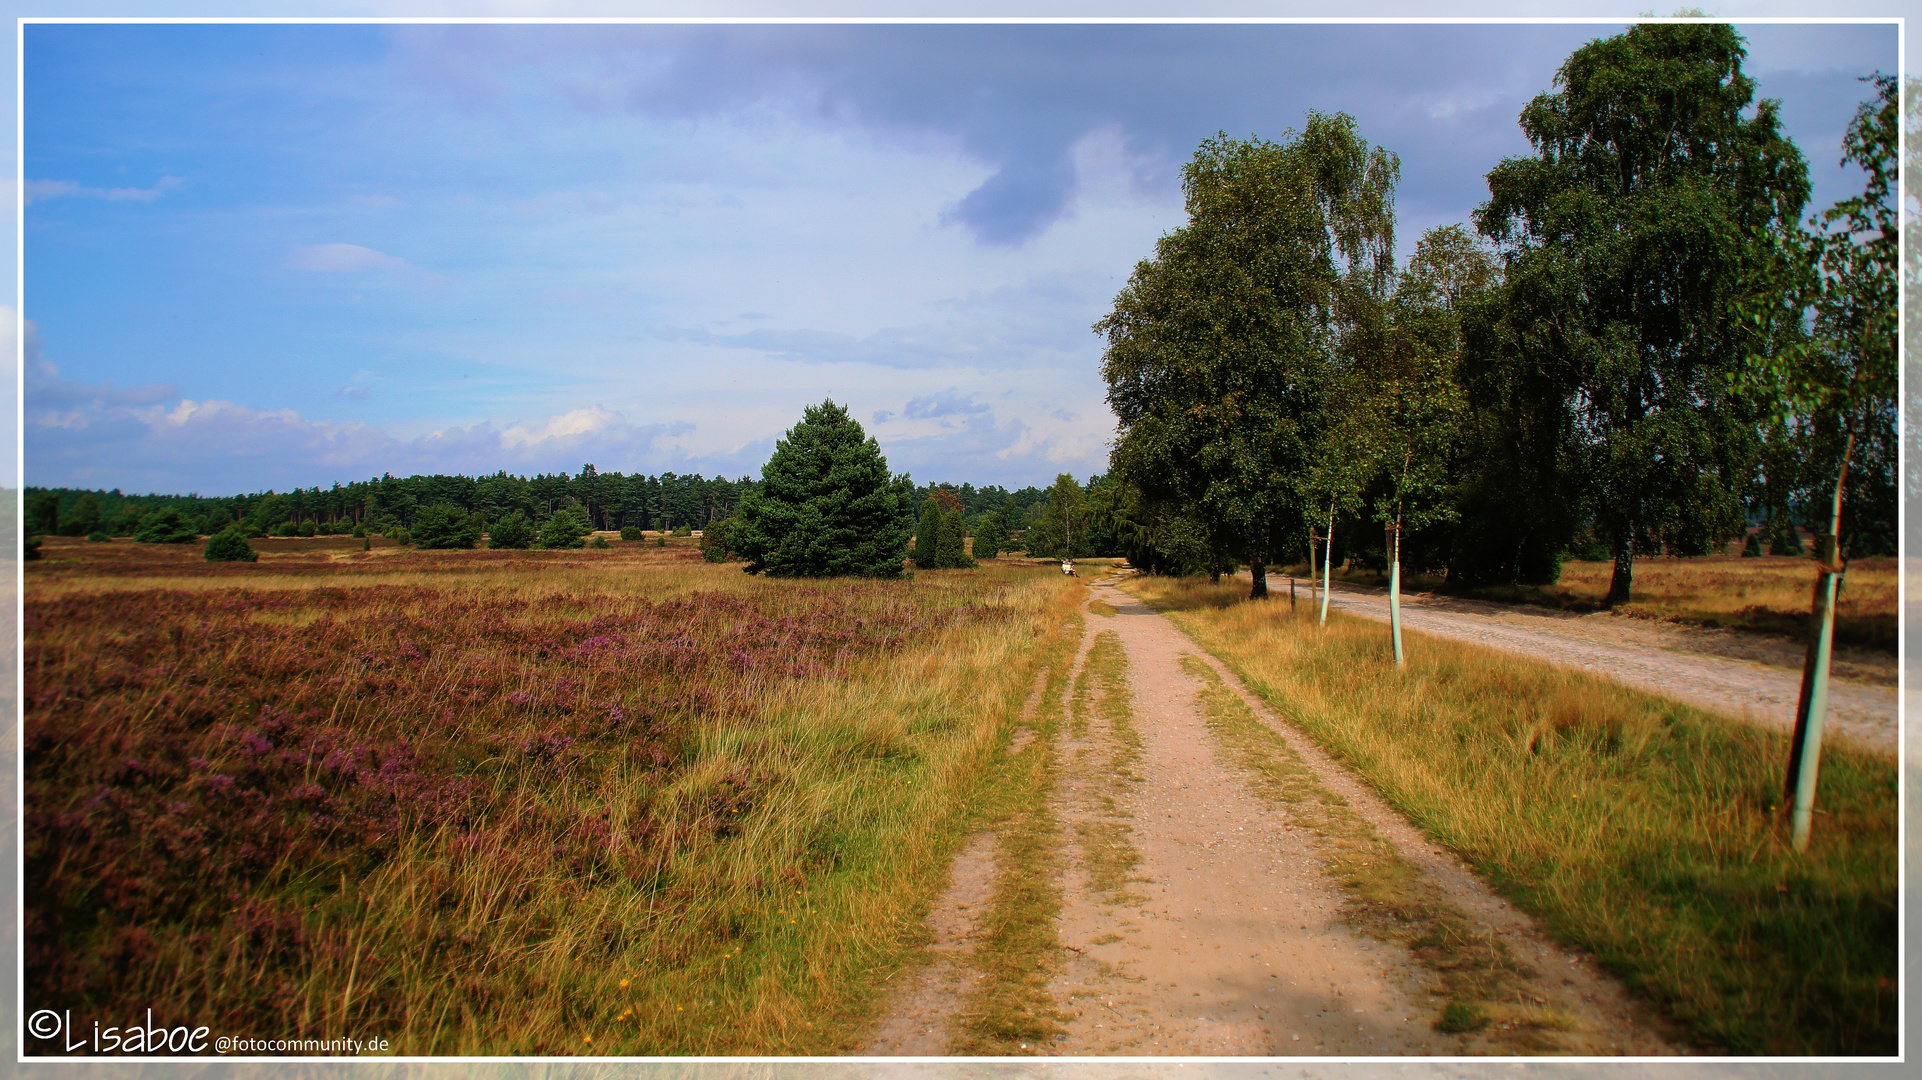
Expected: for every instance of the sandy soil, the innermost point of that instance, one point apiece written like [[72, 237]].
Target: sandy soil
[[1753, 677], [1227, 936]]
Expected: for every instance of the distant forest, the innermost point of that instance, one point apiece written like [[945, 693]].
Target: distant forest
[[612, 500]]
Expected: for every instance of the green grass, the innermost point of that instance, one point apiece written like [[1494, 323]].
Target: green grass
[[1642, 830]]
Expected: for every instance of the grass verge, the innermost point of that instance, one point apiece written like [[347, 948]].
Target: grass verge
[[1640, 829]]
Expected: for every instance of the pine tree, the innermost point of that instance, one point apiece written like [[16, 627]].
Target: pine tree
[[827, 506]]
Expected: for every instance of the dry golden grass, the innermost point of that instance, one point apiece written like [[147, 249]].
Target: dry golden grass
[[1771, 594], [1635, 827], [745, 892]]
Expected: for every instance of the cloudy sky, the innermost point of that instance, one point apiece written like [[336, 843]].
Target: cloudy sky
[[261, 256]]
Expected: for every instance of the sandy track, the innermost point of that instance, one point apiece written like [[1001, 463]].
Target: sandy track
[[1227, 936], [1749, 680]]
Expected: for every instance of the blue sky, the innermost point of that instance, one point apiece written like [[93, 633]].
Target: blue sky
[[272, 255]]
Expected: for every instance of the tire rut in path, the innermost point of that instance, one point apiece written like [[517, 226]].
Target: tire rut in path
[[1226, 935]]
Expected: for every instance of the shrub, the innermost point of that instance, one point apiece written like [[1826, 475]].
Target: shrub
[[826, 507], [990, 537], [660, 540], [286, 528], [445, 527], [951, 550], [359, 529], [166, 527], [400, 536], [230, 545], [599, 543], [566, 529], [512, 531], [99, 537], [683, 530], [307, 529], [927, 535], [714, 540], [630, 532]]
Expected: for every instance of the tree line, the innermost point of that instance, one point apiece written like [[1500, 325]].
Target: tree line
[[607, 500], [1640, 347]]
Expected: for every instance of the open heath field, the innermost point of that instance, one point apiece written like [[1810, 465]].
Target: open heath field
[[1642, 830], [474, 802]]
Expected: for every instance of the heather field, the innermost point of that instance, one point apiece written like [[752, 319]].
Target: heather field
[[517, 802]]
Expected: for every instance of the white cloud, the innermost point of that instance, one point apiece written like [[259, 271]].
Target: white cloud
[[341, 258], [42, 190]]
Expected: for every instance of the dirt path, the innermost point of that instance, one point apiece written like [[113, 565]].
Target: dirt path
[[1197, 916], [1744, 676]]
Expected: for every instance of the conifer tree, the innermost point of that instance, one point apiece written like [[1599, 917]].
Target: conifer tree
[[826, 507]]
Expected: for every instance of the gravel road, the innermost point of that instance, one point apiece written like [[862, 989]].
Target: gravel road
[[1739, 675]]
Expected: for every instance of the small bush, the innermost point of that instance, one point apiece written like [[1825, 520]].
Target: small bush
[[166, 527], [401, 536], [286, 528], [599, 543], [567, 529], [714, 540], [683, 530], [359, 529], [630, 532], [30, 548], [99, 537], [307, 529], [445, 527], [230, 545], [513, 531]]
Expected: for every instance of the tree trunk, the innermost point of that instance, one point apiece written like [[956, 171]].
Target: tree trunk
[[1805, 748], [1258, 569], [1619, 582]]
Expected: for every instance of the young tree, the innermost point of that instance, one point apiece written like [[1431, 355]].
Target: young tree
[[827, 506], [1062, 531], [512, 531], [1631, 237], [1832, 390], [445, 527], [1417, 399], [566, 529], [714, 540], [951, 546], [927, 535], [166, 527], [230, 545], [990, 537]]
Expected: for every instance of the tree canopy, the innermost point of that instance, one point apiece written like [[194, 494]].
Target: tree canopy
[[1630, 239], [827, 506]]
